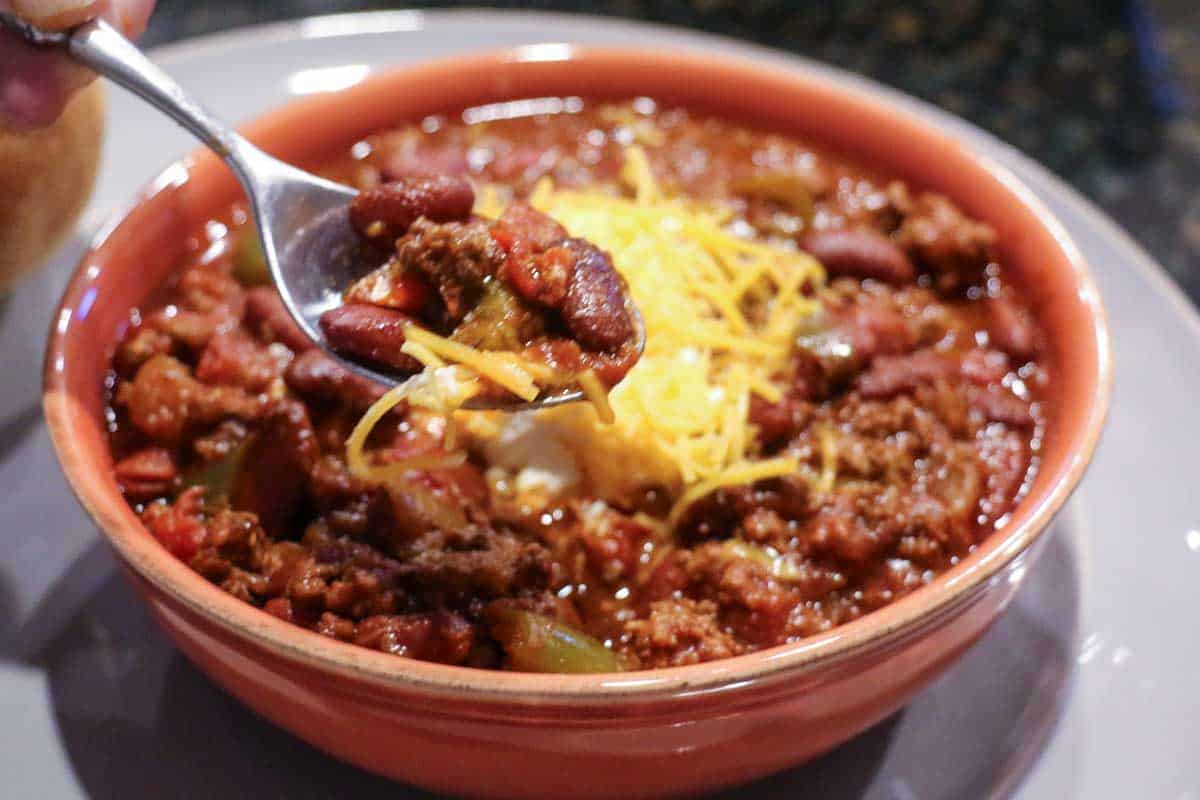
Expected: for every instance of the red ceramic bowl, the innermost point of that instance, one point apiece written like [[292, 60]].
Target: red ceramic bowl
[[638, 734]]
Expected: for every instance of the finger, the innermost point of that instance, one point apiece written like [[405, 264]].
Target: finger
[[58, 14], [33, 85], [36, 85], [130, 16]]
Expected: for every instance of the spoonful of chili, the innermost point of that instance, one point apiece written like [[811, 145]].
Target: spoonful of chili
[[404, 275]]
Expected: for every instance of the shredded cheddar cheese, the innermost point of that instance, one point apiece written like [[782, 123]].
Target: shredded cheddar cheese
[[429, 389], [740, 475], [503, 369], [721, 315], [828, 448], [423, 354], [597, 395]]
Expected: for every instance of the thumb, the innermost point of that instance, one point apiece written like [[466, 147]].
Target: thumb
[[35, 85], [58, 14], [130, 16]]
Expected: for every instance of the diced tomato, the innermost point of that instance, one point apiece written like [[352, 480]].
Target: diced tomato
[[409, 293], [504, 237], [147, 473], [179, 527]]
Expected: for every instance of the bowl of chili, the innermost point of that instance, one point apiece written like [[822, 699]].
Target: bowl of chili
[[771, 586]]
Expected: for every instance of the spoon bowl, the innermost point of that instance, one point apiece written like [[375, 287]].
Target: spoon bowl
[[322, 254]]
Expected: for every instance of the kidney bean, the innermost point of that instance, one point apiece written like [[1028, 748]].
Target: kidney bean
[[889, 376], [369, 332], [442, 636], [594, 308], [523, 225], [384, 214], [316, 376], [984, 366], [1000, 405], [1012, 328], [871, 329], [147, 473], [275, 470], [779, 421], [860, 253], [280, 607], [266, 313]]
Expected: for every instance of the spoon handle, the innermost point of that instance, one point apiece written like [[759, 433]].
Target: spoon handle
[[103, 49]]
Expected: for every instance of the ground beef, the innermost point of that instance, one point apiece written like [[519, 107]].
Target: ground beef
[[480, 563], [458, 257], [680, 632], [140, 345], [208, 302], [164, 400], [234, 358], [939, 236]]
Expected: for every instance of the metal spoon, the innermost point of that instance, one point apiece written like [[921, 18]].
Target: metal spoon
[[312, 251]]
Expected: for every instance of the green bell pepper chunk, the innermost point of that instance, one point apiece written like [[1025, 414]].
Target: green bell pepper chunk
[[220, 477], [774, 563], [535, 643], [784, 188], [249, 262]]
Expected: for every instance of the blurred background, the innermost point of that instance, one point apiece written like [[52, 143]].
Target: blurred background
[[1103, 92]]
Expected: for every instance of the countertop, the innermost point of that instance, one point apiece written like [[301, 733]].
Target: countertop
[[1103, 92]]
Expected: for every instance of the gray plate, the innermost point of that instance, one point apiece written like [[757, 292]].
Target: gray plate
[[1086, 688]]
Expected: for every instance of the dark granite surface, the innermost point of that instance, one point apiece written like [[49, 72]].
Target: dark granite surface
[[1103, 92]]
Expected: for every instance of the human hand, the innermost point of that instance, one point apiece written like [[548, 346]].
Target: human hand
[[35, 85]]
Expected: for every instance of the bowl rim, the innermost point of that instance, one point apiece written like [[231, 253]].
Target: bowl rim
[[946, 593]]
